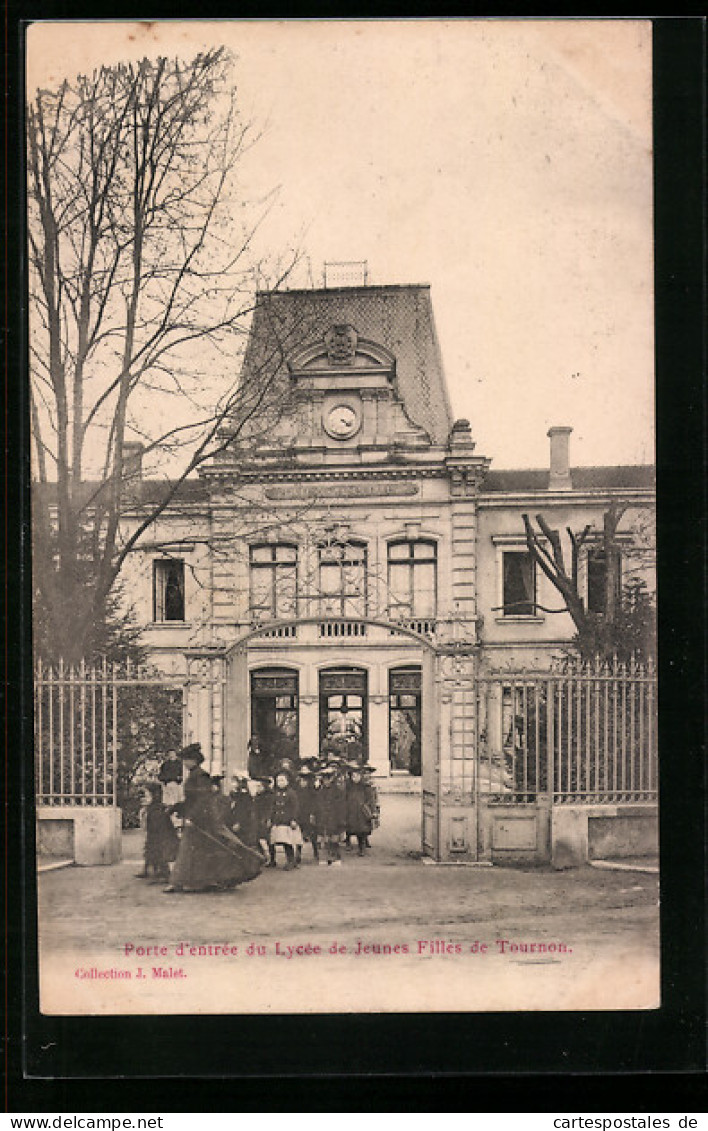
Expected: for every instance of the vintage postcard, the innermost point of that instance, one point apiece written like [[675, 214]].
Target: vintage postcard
[[342, 402]]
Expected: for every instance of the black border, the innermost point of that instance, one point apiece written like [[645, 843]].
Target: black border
[[655, 1059]]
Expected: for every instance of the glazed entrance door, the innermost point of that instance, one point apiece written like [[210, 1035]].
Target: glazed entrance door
[[344, 713], [274, 711], [404, 719]]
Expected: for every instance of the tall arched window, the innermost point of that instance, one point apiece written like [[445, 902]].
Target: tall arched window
[[342, 581], [273, 581], [344, 713], [274, 712], [412, 578], [404, 718]]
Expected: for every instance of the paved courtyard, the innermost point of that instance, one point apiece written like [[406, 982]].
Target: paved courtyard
[[387, 932]]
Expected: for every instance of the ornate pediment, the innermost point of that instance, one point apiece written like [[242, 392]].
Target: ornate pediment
[[339, 349]]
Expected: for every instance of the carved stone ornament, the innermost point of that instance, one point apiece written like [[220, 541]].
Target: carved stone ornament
[[340, 341]]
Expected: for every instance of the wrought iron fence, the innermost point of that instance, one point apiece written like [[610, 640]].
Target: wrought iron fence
[[585, 735], [95, 726]]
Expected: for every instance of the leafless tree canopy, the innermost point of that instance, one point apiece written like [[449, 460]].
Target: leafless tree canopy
[[603, 633], [141, 288]]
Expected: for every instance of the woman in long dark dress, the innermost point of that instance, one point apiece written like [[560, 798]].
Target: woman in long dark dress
[[210, 856]]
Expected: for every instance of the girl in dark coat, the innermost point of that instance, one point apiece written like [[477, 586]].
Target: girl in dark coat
[[209, 856], [284, 829], [262, 795], [308, 800], [161, 840], [242, 819], [360, 809], [333, 813]]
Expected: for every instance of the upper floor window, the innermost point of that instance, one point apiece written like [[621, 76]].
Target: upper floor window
[[168, 589], [343, 581], [273, 581], [412, 578], [597, 580], [519, 584]]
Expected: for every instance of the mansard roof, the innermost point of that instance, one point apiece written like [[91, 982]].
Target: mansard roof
[[630, 477], [400, 318], [143, 492]]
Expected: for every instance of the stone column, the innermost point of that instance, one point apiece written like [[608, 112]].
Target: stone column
[[309, 725]]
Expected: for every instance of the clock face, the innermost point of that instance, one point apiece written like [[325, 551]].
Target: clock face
[[342, 421]]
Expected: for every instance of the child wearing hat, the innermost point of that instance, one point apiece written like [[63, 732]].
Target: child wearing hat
[[307, 803], [161, 840], [360, 808], [242, 819], [333, 811], [261, 792], [284, 830]]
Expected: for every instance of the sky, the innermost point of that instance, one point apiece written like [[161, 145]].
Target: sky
[[507, 163]]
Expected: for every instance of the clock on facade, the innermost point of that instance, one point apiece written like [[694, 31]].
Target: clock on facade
[[341, 421]]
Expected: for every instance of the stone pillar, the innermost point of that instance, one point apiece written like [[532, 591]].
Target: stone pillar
[[458, 754], [378, 733], [205, 693], [569, 836], [309, 726], [237, 717]]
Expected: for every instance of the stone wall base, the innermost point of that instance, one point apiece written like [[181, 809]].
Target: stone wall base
[[565, 836], [89, 834], [584, 832]]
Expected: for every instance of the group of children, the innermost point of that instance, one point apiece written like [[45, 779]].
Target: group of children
[[328, 802], [323, 803]]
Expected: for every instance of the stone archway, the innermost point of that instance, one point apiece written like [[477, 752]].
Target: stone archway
[[237, 721], [448, 777]]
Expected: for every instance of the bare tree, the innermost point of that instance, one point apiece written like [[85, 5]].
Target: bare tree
[[597, 633], [141, 288]]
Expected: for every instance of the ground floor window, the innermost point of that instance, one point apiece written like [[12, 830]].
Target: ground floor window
[[274, 711], [344, 713], [404, 719]]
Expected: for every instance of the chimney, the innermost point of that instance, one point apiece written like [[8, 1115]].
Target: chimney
[[559, 478], [133, 459], [461, 435]]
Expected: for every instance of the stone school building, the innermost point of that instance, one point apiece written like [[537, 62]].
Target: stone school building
[[357, 576]]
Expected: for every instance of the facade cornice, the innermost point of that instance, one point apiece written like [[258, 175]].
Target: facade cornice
[[338, 474], [574, 498]]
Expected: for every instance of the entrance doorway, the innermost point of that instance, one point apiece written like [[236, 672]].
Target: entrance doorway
[[405, 719], [274, 711], [344, 713]]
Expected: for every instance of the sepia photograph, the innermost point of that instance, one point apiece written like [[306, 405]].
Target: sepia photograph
[[341, 393]]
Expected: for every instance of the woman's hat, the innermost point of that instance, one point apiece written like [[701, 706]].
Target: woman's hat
[[193, 751]]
